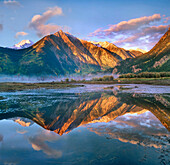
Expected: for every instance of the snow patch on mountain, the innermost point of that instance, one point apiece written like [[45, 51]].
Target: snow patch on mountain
[[23, 44]]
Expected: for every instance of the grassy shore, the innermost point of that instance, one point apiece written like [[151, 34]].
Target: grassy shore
[[151, 81], [14, 86]]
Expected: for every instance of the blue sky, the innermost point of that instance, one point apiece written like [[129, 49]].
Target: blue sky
[[145, 21]]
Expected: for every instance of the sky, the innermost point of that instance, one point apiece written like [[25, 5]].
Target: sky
[[129, 24]]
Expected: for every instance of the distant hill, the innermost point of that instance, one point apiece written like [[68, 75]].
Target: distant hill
[[156, 60], [60, 54]]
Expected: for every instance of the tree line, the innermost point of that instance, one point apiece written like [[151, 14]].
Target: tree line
[[146, 75]]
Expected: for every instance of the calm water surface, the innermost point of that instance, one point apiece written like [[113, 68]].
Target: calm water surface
[[95, 124]]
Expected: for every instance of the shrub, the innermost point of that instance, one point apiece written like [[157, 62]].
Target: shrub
[[99, 79], [66, 80], [107, 78], [73, 80], [104, 78], [157, 75]]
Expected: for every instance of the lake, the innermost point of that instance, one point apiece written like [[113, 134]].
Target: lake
[[94, 124]]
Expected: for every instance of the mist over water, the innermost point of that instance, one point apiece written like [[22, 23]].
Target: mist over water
[[51, 78]]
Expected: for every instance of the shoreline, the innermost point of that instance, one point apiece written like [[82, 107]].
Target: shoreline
[[17, 86]]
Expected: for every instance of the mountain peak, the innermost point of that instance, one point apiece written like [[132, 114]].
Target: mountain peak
[[60, 32], [104, 44], [138, 49], [23, 44]]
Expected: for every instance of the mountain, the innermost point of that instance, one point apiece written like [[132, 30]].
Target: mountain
[[157, 59], [123, 53], [59, 54], [23, 44]]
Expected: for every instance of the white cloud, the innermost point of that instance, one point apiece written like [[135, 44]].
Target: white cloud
[[12, 3], [20, 34], [125, 26], [166, 19], [38, 22], [147, 37], [138, 32]]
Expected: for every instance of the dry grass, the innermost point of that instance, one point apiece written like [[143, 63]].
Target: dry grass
[[13, 86]]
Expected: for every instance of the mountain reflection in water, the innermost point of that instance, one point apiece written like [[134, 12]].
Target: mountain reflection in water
[[63, 112], [138, 119]]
